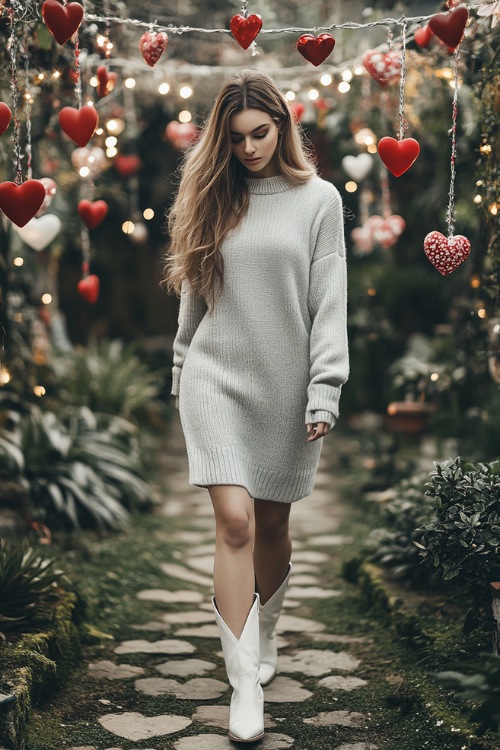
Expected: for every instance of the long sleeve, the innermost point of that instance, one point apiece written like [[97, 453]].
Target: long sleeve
[[327, 304], [191, 311]]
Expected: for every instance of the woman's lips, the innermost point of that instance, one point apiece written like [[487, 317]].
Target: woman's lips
[[251, 161]]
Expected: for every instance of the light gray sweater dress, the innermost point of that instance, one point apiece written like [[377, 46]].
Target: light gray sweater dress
[[273, 354]]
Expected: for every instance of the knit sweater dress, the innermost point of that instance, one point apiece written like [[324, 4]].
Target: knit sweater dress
[[273, 354]]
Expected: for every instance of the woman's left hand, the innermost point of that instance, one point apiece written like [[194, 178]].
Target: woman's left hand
[[317, 430]]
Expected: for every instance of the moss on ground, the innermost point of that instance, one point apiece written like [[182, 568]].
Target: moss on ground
[[406, 708]]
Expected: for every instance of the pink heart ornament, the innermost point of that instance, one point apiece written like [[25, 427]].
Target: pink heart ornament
[[446, 253]]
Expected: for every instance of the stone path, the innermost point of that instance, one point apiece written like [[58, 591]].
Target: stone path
[[313, 661]]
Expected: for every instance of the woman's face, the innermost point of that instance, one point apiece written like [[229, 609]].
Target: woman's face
[[254, 136]]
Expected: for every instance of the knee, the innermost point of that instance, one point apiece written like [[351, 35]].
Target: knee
[[271, 529], [234, 530]]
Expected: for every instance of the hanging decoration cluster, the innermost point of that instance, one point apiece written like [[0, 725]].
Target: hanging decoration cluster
[[24, 202]]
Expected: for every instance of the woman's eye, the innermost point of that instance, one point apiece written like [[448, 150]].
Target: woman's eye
[[261, 136]]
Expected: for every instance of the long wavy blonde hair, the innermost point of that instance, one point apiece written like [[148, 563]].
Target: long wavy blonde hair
[[212, 197]]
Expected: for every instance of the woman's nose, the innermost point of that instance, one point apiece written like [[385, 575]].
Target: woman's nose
[[249, 147]]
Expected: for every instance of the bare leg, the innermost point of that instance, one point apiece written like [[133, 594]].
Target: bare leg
[[273, 546], [234, 578]]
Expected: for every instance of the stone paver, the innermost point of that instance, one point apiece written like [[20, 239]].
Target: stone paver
[[337, 682], [311, 592], [179, 571], [315, 663], [285, 690], [188, 618], [204, 631], [108, 670], [218, 716], [220, 742], [170, 597], [291, 624], [167, 646], [185, 667], [199, 688], [134, 726], [337, 718]]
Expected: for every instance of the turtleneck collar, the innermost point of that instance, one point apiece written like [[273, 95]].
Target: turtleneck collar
[[267, 185]]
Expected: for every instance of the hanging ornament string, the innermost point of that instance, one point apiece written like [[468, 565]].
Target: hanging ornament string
[[450, 214], [402, 81], [244, 13], [16, 136], [78, 77], [28, 100]]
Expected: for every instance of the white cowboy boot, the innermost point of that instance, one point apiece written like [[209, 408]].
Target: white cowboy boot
[[241, 656], [269, 613]]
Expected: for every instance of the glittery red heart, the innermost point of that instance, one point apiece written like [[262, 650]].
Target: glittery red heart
[[450, 27], [20, 203], [92, 213], [107, 81], [398, 156], [5, 116], [446, 253], [423, 36], [152, 45], [88, 288], [383, 67], [315, 49], [127, 164], [62, 20], [79, 124], [244, 29]]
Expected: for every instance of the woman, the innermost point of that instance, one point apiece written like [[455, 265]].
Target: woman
[[257, 255]]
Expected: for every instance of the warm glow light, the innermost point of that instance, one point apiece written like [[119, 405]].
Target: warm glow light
[[129, 83], [392, 409], [99, 131], [111, 151], [434, 376], [478, 198], [445, 73], [41, 76], [109, 46], [313, 94], [164, 88], [290, 95], [344, 87], [111, 141], [372, 292], [18, 261], [479, 183], [351, 186], [39, 390], [185, 92], [347, 75], [115, 125], [84, 171], [4, 376], [56, 74], [185, 116], [475, 281], [359, 70], [94, 81], [46, 298], [493, 209], [485, 148], [481, 313], [372, 148], [112, 125], [326, 79], [101, 40], [128, 227], [364, 137], [148, 213]]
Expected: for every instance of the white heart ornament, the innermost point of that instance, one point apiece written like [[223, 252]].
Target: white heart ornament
[[358, 166], [38, 233]]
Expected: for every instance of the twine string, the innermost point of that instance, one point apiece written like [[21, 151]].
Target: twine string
[[402, 81], [450, 214], [16, 134]]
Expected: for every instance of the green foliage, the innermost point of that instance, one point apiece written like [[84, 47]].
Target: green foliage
[[404, 508], [483, 685], [109, 377], [28, 583], [80, 470], [464, 538]]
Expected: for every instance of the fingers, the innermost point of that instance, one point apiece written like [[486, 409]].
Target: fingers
[[317, 430]]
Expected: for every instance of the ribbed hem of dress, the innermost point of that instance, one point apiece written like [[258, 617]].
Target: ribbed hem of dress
[[227, 465]]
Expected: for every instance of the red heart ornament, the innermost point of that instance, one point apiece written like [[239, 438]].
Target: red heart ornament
[[127, 165], [20, 203], [383, 67], [423, 36], [5, 116], [297, 109], [446, 253], [244, 29], [315, 49], [181, 134], [92, 213], [107, 81], [450, 27], [79, 124], [62, 20], [152, 45], [398, 156], [88, 288]]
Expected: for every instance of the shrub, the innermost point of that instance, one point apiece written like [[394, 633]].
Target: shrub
[[28, 585]]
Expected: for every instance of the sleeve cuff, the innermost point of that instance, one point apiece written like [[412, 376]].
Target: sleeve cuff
[[176, 377], [320, 415]]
